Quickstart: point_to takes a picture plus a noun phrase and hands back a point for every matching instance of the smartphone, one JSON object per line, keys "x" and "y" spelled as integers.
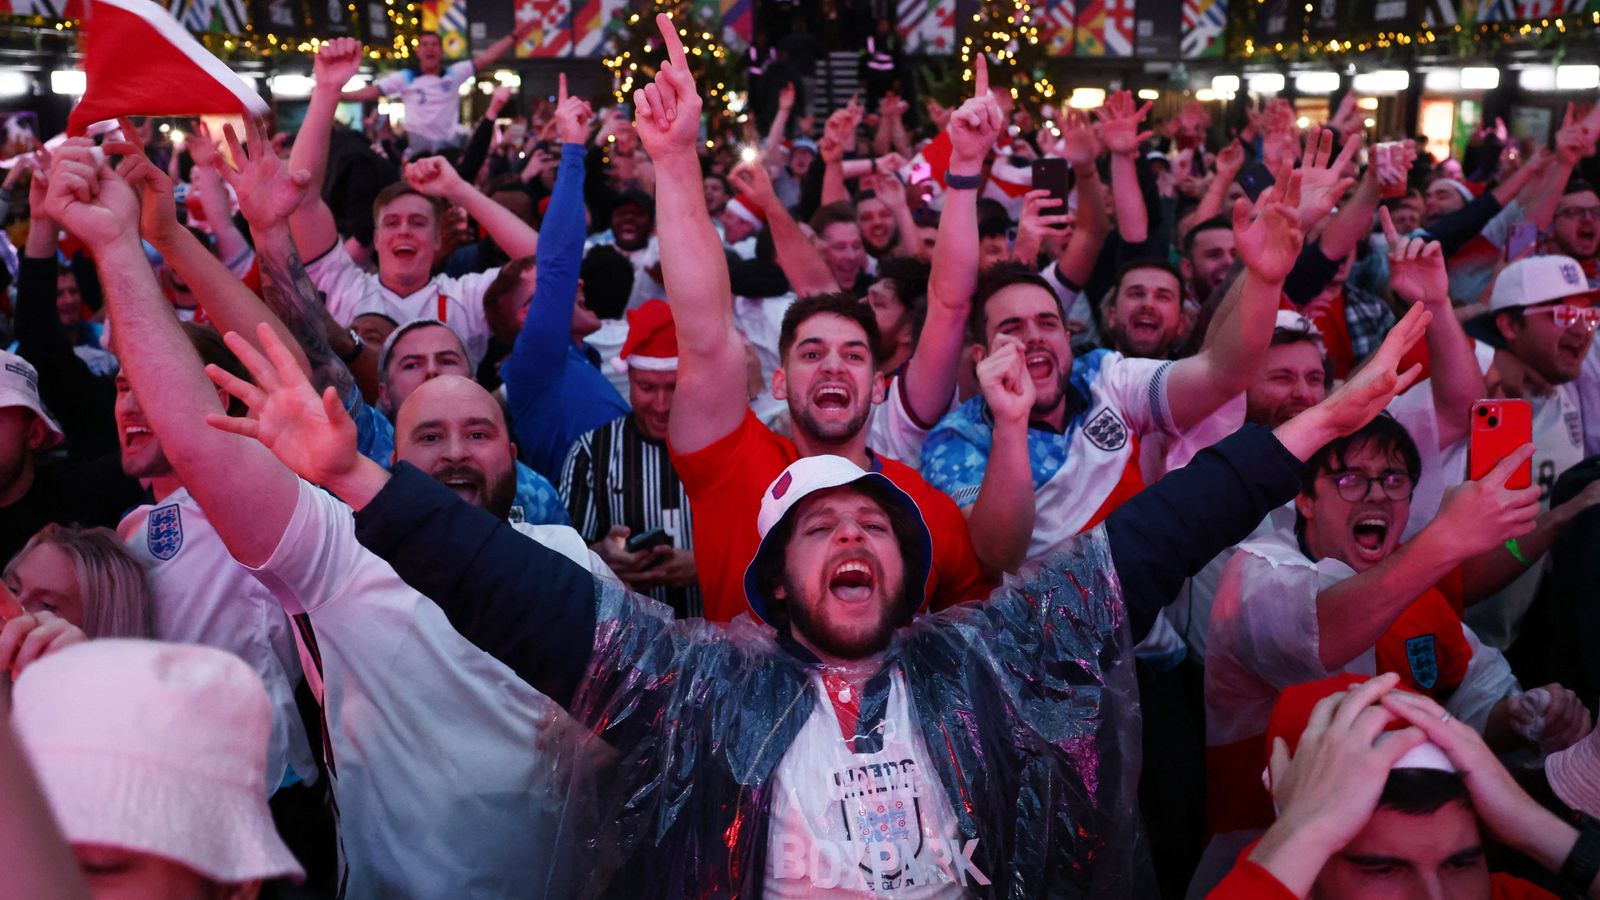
{"x": 1051, "y": 174}
{"x": 1499, "y": 427}
{"x": 1255, "y": 178}
{"x": 655, "y": 537}
{"x": 1520, "y": 242}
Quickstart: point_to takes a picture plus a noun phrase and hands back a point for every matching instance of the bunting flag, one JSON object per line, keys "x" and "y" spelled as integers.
{"x": 552, "y": 31}
{"x": 737, "y": 23}
{"x": 595, "y": 26}
{"x": 927, "y": 26}
{"x": 176, "y": 76}
{"x": 50, "y": 9}
{"x": 1057, "y": 26}
{"x": 1203, "y": 24}
{"x": 1523, "y": 10}
{"x": 447, "y": 18}
{"x": 1105, "y": 28}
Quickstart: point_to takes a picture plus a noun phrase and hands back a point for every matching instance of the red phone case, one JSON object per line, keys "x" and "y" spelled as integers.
{"x": 1512, "y": 426}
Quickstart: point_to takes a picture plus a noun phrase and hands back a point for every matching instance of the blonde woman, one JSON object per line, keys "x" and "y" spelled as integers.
{"x": 66, "y": 585}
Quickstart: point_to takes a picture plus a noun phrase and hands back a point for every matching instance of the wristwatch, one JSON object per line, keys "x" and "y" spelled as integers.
{"x": 1583, "y": 862}
{"x": 357, "y": 345}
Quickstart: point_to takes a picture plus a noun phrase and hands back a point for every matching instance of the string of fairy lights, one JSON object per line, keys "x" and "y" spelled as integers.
{"x": 403, "y": 19}
{"x": 1459, "y": 39}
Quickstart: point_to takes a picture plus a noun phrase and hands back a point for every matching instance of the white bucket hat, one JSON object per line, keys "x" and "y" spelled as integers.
{"x": 19, "y": 386}
{"x": 156, "y": 748}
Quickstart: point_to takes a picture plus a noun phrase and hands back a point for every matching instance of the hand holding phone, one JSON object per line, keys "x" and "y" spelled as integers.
{"x": 649, "y": 540}
{"x": 1499, "y": 427}
{"x": 1050, "y": 174}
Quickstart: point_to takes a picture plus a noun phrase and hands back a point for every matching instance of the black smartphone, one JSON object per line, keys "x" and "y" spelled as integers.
{"x": 1255, "y": 178}
{"x": 1050, "y": 174}
{"x": 655, "y": 537}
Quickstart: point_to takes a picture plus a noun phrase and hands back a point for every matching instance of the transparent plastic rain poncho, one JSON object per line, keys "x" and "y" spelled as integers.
{"x": 1027, "y": 703}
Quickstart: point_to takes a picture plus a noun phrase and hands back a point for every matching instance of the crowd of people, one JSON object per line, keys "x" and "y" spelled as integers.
{"x": 1124, "y": 536}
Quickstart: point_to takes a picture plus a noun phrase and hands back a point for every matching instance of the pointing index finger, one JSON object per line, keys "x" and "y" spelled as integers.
{"x": 669, "y": 36}
{"x": 1390, "y": 234}
{"x": 980, "y": 77}
{"x": 561, "y": 90}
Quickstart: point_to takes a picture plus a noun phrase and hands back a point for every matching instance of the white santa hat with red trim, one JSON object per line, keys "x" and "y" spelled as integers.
{"x": 652, "y": 344}
{"x": 746, "y": 209}
{"x": 139, "y": 61}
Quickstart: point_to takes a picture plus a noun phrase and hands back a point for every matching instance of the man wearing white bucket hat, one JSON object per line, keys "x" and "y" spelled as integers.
{"x": 152, "y": 757}
{"x": 731, "y": 775}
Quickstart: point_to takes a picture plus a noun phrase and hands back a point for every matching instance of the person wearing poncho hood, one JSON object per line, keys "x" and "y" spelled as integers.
{"x": 844, "y": 749}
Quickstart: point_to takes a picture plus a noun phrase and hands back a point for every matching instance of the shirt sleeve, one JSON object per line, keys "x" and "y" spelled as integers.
{"x": 1275, "y": 629}
{"x": 459, "y": 73}
{"x": 1138, "y": 388}
{"x": 955, "y": 456}
{"x": 341, "y": 281}
{"x": 957, "y": 575}
{"x": 1487, "y": 682}
{"x": 393, "y": 83}
{"x": 539, "y": 356}
{"x": 317, "y": 558}
{"x": 578, "y": 490}
{"x": 1498, "y": 230}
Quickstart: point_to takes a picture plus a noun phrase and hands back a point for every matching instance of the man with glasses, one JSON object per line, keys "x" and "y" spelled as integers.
{"x": 1342, "y": 593}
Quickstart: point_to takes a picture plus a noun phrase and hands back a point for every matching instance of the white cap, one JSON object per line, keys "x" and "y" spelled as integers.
{"x": 156, "y": 748}
{"x": 819, "y": 473}
{"x": 1538, "y": 279}
{"x": 1290, "y": 320}
{"x": 19, "y": 386}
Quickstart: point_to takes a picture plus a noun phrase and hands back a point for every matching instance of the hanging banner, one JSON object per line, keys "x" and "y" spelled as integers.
{"x": 1158, "y": 30}
{"x": 1278, "y": 22}
{"x": 448, "y": 19}
{"x": 552, "y": 30}
{"x": 331, "y": 19}
{"x": 488, "y": 21}
{"x": 737, "y": 23}
{"x": 375, "y": 25}
{"x": 1058, "y": 26}
{"x": 595, "y": 26}
{"x": 1105, "y": 28}
{"x": 279, "y": 18}
{"x": 1388, "y": 14}
{"x": 224, "y": 16}
{"x": 927, "y": 26}
{"x": 1204, "y": 22}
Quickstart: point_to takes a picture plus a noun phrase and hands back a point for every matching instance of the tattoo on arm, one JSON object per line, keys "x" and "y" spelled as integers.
{"x": 294, "y": 298}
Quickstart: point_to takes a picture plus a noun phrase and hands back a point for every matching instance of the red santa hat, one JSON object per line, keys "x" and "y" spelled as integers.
{"x": 746, "y": 209}
{"x": 652, "y": 344}
{"x": 139, "y": 61}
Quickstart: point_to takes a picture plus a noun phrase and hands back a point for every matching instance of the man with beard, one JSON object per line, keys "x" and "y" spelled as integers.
{"x": 1542, "y": 311}
{"x": 633, "y": 233}
{"x": 952, "y": 723}
{"x": 1208, "y": 254}
{"x": 407, "y": 234}
{"x": 426, "y": 757}
{"x": 1144, "y": 314}
{"x": 1076, "y": 458}
{"x": 1342, "y": 593}
{"x": 840, "y": 243}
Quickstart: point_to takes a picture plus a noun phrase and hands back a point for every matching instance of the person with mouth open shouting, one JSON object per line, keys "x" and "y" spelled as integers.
{"x": 847, "y": 748}
{"x": 1344, "y": 594}
{"x": 1068, "y": 462}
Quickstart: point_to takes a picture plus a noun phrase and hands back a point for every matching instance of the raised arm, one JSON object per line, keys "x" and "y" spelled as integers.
{"x": 1001, "y": 519}
{"x": 1268, "y": 240}
{"x": 1082, "y": 151}
{"x": 162, "y": 367}
{"x": 1417, "y": 275}
{"x": 221, "y": 294}
{"x": 268, "y": 195}
{"x": 1171, "y": 529}
{"x": 1230, "y": 160}
{"x": 437, "y": 178}
{"x": 1119, "y": 131}
{"x": 838, "y": 138}
{"x": 780, "y": 121}
{"x": 802, "y": 265}
{"x": 486, "y": 57}
{"x": 539, "y": 355}
{"x": 231, "y": 245}
{"x": 312, "y": 224}
{"x": 710, "y": 401}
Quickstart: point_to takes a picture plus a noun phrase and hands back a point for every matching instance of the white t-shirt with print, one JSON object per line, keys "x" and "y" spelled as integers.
{"x": 846, "y": 824}
{"x": 457, "y": 302}
{"x": 202, "y": 596}
{"x": 433, "y": 103}
{"x": 441, "y": 785}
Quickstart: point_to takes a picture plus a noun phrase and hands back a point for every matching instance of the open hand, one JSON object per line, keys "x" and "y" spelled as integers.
{"x": 1371, "y": 387}
{"x": 268, "y": 192}
{"x": 1268, "y": 235}
{"x": 312, "y": 435}
{"x": 1120, "y": 118}
{"x": 1416, "y": 267}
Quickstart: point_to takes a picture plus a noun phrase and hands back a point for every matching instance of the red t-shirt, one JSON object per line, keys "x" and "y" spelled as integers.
{"x": 725, "y": 481}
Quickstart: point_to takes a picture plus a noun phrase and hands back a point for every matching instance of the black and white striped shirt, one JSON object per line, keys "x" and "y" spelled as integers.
{"x": 614, "y": 475}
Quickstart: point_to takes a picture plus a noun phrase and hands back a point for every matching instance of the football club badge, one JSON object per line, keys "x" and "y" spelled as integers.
{"x": 165, "y": 532}
{"x": 1106, "y": 431}
{"x": 1423, "y": 658}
